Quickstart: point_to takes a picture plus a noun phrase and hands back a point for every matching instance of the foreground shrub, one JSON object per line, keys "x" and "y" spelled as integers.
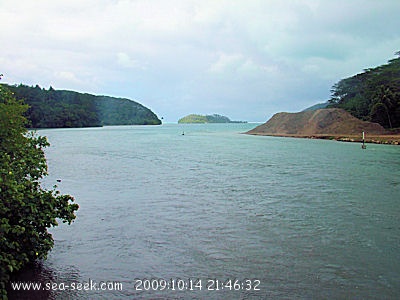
{"x": 26, "y": 209}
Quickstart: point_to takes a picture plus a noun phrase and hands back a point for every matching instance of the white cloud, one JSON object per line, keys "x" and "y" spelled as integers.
{"x": 227, "y": 63}
{"x": 65, "y": 75}
{"x": 275, "y": 54}
{"x": 126, "y": 61}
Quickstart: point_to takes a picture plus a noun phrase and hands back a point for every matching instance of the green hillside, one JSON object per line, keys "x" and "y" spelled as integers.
{"x": 317, "y": 106}
{"x": 59, "y": 108}
{"x": 373, "y": 95}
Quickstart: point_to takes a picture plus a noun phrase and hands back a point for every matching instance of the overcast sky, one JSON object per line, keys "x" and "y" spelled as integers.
{"x": 246, "y": 59}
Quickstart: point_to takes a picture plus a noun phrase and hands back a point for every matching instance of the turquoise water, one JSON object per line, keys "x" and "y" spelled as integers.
{"x": 307, "y": 218}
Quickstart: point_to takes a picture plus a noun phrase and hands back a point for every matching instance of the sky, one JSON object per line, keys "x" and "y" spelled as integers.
{"x": 245, "y": 59}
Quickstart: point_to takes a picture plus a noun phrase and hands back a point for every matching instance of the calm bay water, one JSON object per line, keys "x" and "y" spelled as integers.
{"x": 308, "y": 218}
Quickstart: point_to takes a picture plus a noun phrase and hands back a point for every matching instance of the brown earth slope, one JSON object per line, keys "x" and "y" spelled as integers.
{"x": 331, "y": 123}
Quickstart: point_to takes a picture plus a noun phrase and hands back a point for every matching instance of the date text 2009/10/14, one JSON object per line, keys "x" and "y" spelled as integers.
{"x": 178, "y": 284}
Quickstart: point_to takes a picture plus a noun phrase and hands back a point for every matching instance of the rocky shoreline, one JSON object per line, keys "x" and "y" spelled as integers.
{"x": 374, "y": 139}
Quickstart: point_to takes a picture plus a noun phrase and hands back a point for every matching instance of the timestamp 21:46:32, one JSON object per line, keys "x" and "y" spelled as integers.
{"x": 191, "y": 284}
{"x": 233, "y": 284}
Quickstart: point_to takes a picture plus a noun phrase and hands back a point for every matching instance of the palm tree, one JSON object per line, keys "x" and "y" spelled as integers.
{"x": 382, "y": 104}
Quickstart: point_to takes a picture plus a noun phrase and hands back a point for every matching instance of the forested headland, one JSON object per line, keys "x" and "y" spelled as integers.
{"x": 373, "y": 95}
{"x": 64, "y": 109}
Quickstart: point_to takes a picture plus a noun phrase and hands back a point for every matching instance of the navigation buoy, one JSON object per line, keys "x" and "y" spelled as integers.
{"x": 363, "y": 142}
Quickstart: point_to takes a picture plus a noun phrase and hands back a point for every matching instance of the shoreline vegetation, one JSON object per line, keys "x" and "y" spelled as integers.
{"x": 27, "y": 210}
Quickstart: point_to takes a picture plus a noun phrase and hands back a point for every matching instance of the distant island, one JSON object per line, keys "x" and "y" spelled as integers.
{"x": 200, "y": 119}
{"x": 65, "y": 109}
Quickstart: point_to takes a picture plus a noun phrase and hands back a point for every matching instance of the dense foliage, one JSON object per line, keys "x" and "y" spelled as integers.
{"x": 373, "y": 95}
{"x": 58, "y": 108}
{"x": 114, "y": 111}
{"x": 193, "y": 118}
{"x": 26, "y": 209}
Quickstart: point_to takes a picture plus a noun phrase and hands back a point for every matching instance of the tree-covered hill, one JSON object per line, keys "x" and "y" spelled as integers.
{"x": 193, "y": 118}
{"x": 59, "y": 108}
{"x": 317, "y": 106}
{"x": 373, "y": 95}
